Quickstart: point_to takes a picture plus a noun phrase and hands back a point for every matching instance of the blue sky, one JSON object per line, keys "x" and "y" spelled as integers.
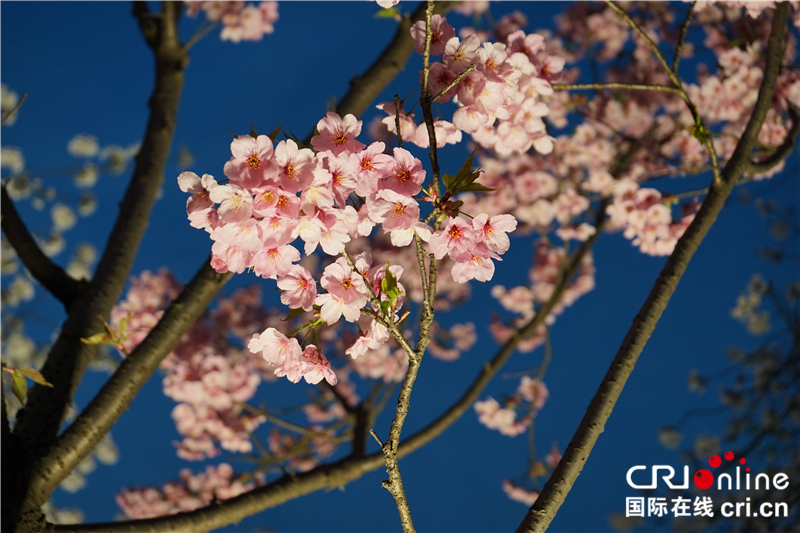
{"x": 86, "y": 69}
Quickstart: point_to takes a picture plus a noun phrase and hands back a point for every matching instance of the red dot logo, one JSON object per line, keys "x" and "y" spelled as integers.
{"x": 729, "y": 456}
{"x": 703, "y": 479}
{"x": 714, "y": 461}
{"x": 742, "y": 461}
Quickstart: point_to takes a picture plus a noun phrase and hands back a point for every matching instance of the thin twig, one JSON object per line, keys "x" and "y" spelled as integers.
{"x": 455, "y": 82}
{"x": 682, "y": 37}
{"x": 16, "y": 107}
{"x": 615, "y": 85}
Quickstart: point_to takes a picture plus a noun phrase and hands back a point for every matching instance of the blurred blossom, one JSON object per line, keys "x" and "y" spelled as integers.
{"x": 87, "y": 466}
{"x": 73, "y": 482}
{"x": 473, "y": 7}
{"x": 87, "y": 176}
{"x": 20, "y": 290}
{"x": 63, "y": 216}
{"x": 18, "y": 350}
{"x": 8, "y": 258}
{"x": 87, "y": 204}
{"x": 519, "y": 494}
{"x": 106, "y": 450}
{"x": 8, "y": 99}
{"x": 83, "y": 145}
{"x": 185, "y": 158}
{"x": 53, "y": 245}
{"x": 697, "y": 383}
{"x": 12, "y": 159}
{"x": 81, "y": 265}
{"x": 57, "y": 515}
{"x": 118, "y": 157}
{"x": 670, "y": 437}
{"x": 705, "y": 445}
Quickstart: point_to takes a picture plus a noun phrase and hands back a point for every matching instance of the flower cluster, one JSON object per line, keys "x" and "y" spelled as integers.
{"x": 531, "y": 396}
{"x": 328, "y": 198}
{"x": 499, "y": 101}
{"x": 240, "y": 21}
{"x": 190, "y": 493}
{"x": 205, "y": 374}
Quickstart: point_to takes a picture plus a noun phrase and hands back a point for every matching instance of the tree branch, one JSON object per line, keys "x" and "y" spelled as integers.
{"x": 39, "y": 421}
{"x": 122, "y": 387}
{"x": 42, "y": 268}
{"x": 561, "y": 481}
{"x": 615, "y": 85}
{"x": 782, "y": 152}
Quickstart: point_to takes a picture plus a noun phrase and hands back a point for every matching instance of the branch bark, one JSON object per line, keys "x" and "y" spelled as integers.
{"x": 122, "y": 387}
{"x": 563, "y": 478}
{"x": 39, "y": 421}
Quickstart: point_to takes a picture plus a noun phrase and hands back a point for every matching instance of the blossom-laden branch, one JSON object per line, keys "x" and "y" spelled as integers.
{"x": 42, "y": 268}
{"x": 39, "y": 421}
{"x": 383, "y": 70}
{"x": 389, "y": 448}
{"x": 563, "y": 478}
{"x": 701, "y": 131}
{"x": 338, "y": 474}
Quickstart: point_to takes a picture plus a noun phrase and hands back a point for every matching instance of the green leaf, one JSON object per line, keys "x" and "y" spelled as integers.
{"x": 700, "y": 132}
{"x": 385, "y": 305}
{"x": 464, "y": 180}
{"x": 293, "y": 313}
{"x": 35, "y": 375}
{"x": 98, "y": 338}
{"x": 389, "y": 285}
{"x": 470, "y": 187}
{"x": 123, "y": 324}
{"x": 18, "y": 386}
{"x": 275, "y": 132}
{"x": 387, "y": 13}
{"x": 295, "y": 139}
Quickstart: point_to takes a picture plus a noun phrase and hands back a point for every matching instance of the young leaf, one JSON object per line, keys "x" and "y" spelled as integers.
{"x": 464, "y": 181}
{"x": 35, "y": 375}
{"x": 98, "y": 338}
{"x": 18, "y": 386}
{"x": 389, "y": 285}
{"x": 293, "y": 313}
{"x": 387, "y": 13}
{"x": 275, "y": 132}
{"x": 295, "y": 139}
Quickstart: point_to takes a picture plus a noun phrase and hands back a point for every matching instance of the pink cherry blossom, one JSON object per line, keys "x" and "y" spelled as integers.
{"x": 251, "y": 163}
{"x": 338, "y": 134}
{"x": 275, "y": 347}
{"x": 456, "y": 239}
{"x": 298, "y": 288}
{"x": 295, "y": 166}
{"x": 441, "y": 30}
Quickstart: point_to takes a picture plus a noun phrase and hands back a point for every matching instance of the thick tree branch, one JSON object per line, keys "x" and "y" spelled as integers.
{"x": 122, "y": 387}
{"x": 39, "y": 421}
{"x": 42, "y": 268}
{"x": 561, "y": 481}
